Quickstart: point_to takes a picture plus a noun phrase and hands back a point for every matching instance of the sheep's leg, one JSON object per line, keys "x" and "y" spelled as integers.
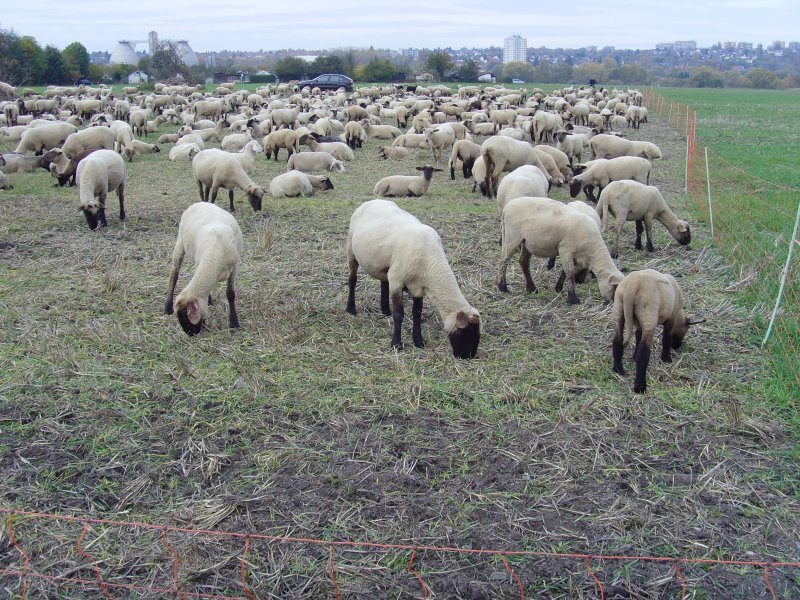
{"x": 177, "y": 261}
{"x": 617, "y": 348}
{"x": 416, "y": 323}
{"x": 101, "y": 214}
{"x": 589, "y": 191}
{"x": 525, "y": 265}
{"x": 618, "y": 225}
{"x": 385, "y": 309}
{"x": 200, "y": 189}
{"x": 648, "y": 229}
{"x": 666, "y": 350}
{"x": 230, "y": 294}
{"x": 397, "y": 314}
{"x": 642, "y": 360}
{"x": 560, "y": 282}
{"x": 213, "y": 193}
{"x": 505, "y": 257}
{"x": 121, "y": 196}
{"x": 638, "y": 341}
{"x": 551, "y": 263}
{"x": 567, "y": 261}
{"x": 351, "y": 287}
{"x": 639, "y": 228}
{"x": 230, "y": 198}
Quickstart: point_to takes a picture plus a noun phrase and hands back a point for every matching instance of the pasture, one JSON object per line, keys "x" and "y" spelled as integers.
{"x": 306, "y": 423}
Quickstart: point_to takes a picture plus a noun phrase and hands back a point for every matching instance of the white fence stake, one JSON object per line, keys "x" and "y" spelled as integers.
{"x": 686, "y": 170}
{"x": 708, "y": 186}
{"x": 784, "y": 275}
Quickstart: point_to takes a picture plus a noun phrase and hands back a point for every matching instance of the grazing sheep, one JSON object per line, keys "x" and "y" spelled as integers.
{"x": 214, "y": 169}
{"x": 140, "y": 147}
{"x": 296, "y": 183}
{"x": 544, "y": 127}
{"x": 281, "y": 138}
{"x": 506, "y": 154}
{"x": 314, "y": 161}
{"x": 62, "y": 168}
{"x": 184, "y": 152}
{"x": 393, "y": 246}
{"x": 101, "y": 172}
{"x": 546, "y": 228}
{"x": 643, "y": 301}
{"x": 467, "y": 152}
{"x": 599, "y": 173}
{"x": 44, "y": 137}
{"x": 562, "y": 164}
{"x": 634, "y": 201}
{"x": 393, "y": 152}
{"x": 213, "y": 239}
{"x": 612, "y": 146}
{"x": 86, "y": 139}
{"x": 405, "y": 185}
{"x": 5, "y": 184}
{"x": 549, "y": 163}
{"x": 570, "y": 144}
{"x": 354, "y": 134}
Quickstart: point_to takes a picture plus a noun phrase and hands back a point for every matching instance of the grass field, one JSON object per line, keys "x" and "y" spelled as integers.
{"x": 306, "y": 423}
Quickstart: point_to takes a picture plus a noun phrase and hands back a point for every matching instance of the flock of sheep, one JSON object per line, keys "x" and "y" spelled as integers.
{"x": 83, "y": 136}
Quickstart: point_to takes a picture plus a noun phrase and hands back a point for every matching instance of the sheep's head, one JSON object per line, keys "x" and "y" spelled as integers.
{"x": 338, "y": 166}
{"x": 681, "y": 328}
{"x": 326, "y": 183}
{"x": 575, "y": 186}
{"x": 191, "y": 314}
{"x": 682, "y": 234}
{"x": 381, "y": 153}
{"x": 427, "y": 171}
{"x": 651, "y": 152}
{"x": 92, "y": 210}
{"x": 465, "y": 333}
{"x": 608, "y": 285}
{"x": 254, "y": 195}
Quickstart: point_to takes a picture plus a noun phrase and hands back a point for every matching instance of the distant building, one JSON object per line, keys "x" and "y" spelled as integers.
{"x": 777, "y": 45}
{"x": 745, "y": 46}
{"x": 515, "y": 49}
{"x": 411, "y": 53}
{"x": 794, "y": 46}
{"x": 729, "y": 46}
{"x": 665, "y": 46}
{"x": 685, "y": 46}
{"x": 487, "y": 77}
{"x": 138, "y": 76}
{"x": 425, "y": 76}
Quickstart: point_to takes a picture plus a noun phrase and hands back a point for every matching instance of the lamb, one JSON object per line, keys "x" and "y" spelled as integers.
{"x": 612, "y": 146}
{"x": 393, "y": 246}
{"x": 439, "y": 138}
{"x": 570, "y": 144}
{"x": 296, "y": 183}
{"x": 101, "y": 172}
{"x": 22, "y": 163}
{"x": 62, "y": 168}
{"x": 643, "y": 301}
{"x": 214, "y": 169}
{"x": 314, "y": 161}
{"x": 184, "y": 152}
{"x": 505, "y": 154}
{"x": 281, "y": 138}
{"x": 44, "y": 137}
{"x": 381, "y": 132}
{"x": 86, "y": 139}
{"x": 393, "y": 152}
{"x": 467, "y": 152}
{"x": 247, "y": 156}
{"x": 339, "y": 150}
{"x": 634, "y": 201}
{"x": 139, "y": 147}
{"x": 406, "y": 185}
{"x": 213, "y": 239}
{"x": 599, "y": 173}
{"x": 545, "y": 228}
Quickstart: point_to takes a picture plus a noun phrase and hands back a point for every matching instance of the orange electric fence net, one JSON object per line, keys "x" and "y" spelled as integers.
{"x": 754, "y": 224}
{"x": 46, "y": 555}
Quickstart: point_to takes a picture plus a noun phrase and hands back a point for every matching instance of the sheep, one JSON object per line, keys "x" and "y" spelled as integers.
{"x": 612, "y": 146}
{"x": 210, "y": 108}
{"x": 11, "y": 112}
{"x": 214, "y": 169}
{"x": 411, "y": 140}
{"x": 599, "y": 173}
{"x": 234, "y": 142}
{"x": 356, "y": 113}
{"x": 467, "y": 152}
{"x": 296, "y": 183}
{"x": 526, "y": 180}
{"x": 184, "y": 152}
{"x": 168, "y": 138}
{"x": 570, "y": 144}
{"x": 213, "y": 239}
{"x": 393, "y": 152}
{"x": 406, "y": 185}
{"x": 505, "y": 154}
{"x": 86, "y": 139}
{"x": 354, "y": 134}
{"x": 247, "y": 156}
{"x": 381, "y": 132}
{"x": 22, "y": 163}
{"x": 42, "y": 138}
{"x": 393, "y": 246}
{"x": 634, "y": 201}
{"x": 643, "y": 301}
{"x": 101, "y": 172}
{"x": 5, "y": 183}
{"x": 139, "y": 147}
{"x": 545, "y": 125}
{"x": 480, "y": 128}
{"x": 546, "y": 228}
{"x": 281, "y": 138}
{"x": 62, "y": 168}
{"x": 314, "y": 161}
{"x": 439, "y": 138}
{"x": 339, "y": 150}
{"x": 284, "y": 117}
{"x": 550, "y": 166}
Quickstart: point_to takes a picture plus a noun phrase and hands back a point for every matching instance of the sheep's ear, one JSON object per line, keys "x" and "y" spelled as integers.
{"x": 440, "y": 170}
{"x": 420, "y": 168}
{"x": 193, "y": 312}
{"x": 694, "y": 320}
{"x": 462, "y": 320}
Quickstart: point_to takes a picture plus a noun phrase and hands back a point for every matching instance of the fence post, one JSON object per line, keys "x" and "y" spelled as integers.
{"x": 784, "y": 275}
{"x": 708, "y": 186}
{"x": 669, "y": 120}
{"x": 686, "y": 171}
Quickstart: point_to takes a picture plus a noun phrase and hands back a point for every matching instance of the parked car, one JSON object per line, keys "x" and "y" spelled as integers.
{"x": 329, "y": 81}
{"x": 517, "y": 81}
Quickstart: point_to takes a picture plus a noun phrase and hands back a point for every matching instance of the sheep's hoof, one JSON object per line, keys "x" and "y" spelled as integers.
{"x": 650, "y": 247}
{"x": 573, "y": 299}
{"x": 531, "y": 289}
{"x": 619, "y": 370}
{"x": 640, "y": 389}
{"x": 502, "y": 287}
{"x": 397, "y": 345}
{"x": 419, "y": 342}
{"x": 614, "y": 255}
{"x": 352, "y": 311}
{"x": 638, "y": 244}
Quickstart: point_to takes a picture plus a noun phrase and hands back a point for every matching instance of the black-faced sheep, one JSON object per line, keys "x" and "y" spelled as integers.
{"x": 405, "y": 185}
{"x": 214, "y": 169}
{"x": 643, "y": 301}
{"x": 634, "y": 201}
{"x": 467, "y": 152}
{"x": 101, "y": 172}
{"x": 546, "y": 228}
{"x": 600, "y": 172}
{"x": 393, "y": 246}
{"x": 212, "y": 238}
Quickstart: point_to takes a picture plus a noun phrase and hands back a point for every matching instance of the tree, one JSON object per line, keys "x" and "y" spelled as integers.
{"x": 762, "y": 78}
{"x": 291, "y": 68}
{"x": 518, "y": 70}
{"x": 119, "y": 72}
{"x": 378, "y": 70}
{"x": 166, "y": 62}
{"x": 32, "y": 61}
{"x": 468, "y": 71}
{"x": 326, "y": 64}
{"x": 55, "y": 71}
{"x": 439, "y": 63}
{"x": 706, "y": 77}
{"x": 77, "y": 59}
{"x": 590, "y": 70}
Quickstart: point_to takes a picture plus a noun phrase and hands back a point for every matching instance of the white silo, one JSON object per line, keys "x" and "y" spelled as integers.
{"x": 124, "y": 54}
{"x": 186, "y": 53}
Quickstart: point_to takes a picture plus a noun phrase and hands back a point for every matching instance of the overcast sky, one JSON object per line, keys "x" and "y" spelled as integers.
{"x": 321, "y": 24}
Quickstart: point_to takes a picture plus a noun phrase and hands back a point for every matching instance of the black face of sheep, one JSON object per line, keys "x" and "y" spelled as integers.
{"x": 190, "y": 319}
{"x": 574, "y": 188}
{"x": 327, "y": 184}
{"x": 465, "y": 337}
{"x": 681, "y": 329}
{"x": 255, "y": 198}
{"x": 95, "y": 215}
